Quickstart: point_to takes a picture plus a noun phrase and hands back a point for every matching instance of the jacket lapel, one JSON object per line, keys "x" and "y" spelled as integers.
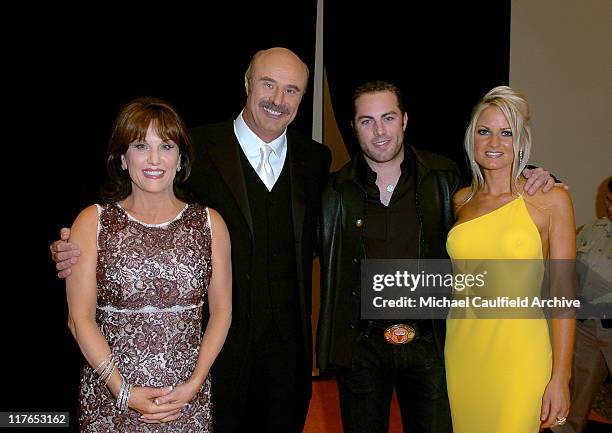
{"x": 298, "y": 170}
{"x": 225, "y": 154}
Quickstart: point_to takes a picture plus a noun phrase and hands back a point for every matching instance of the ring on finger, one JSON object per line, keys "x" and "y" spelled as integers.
{"x": 560, "y": 421}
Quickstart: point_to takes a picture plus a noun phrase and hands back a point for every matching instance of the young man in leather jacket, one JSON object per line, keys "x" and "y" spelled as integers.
{"x": 391, "y": 201}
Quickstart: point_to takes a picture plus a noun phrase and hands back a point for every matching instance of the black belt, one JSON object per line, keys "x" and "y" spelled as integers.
{"x": 384, "y": 329}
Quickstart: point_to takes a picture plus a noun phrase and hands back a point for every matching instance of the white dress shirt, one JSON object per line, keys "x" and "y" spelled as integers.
{"x": 251, "y": 144}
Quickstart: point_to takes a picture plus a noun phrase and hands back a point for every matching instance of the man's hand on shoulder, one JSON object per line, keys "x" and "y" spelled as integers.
{"x": 539, "y": 178}
{"x": 64, "y": 254}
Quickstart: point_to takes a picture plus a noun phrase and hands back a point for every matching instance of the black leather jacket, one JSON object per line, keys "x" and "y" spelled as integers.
{"x": 343, "y": 205}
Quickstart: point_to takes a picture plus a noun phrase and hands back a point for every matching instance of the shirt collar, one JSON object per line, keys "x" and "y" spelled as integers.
{"x": 251, "y": 143}
{"x": 367, "y": 175}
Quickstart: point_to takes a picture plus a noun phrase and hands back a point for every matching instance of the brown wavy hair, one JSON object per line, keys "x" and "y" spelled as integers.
{"x": 130, "y": 125}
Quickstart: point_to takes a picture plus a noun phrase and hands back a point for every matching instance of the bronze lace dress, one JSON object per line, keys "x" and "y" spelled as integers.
{"x": 152, "y": 282}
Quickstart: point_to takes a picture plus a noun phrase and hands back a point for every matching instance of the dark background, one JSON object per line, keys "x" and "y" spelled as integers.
{"x": 69, "y": 78}
{"x": 443, "y": 56}
{"x": 69, "y": 71}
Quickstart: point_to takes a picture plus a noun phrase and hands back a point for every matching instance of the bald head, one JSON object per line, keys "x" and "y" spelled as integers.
{"x": 275, "y": 83}
{"x": 278, "y": 55}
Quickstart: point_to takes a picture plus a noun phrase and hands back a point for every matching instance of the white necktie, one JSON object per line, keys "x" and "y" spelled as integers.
{"x": 264, "y": 169}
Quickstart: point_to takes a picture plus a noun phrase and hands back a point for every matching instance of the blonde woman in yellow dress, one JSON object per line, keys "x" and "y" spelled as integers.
{"x": 505, "y": 375}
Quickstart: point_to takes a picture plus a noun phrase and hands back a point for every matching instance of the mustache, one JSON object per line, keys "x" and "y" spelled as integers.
{"x": 274, "y": 107}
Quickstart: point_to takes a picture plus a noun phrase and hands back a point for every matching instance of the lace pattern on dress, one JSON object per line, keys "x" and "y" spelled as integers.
{"x": 152, "y": 283}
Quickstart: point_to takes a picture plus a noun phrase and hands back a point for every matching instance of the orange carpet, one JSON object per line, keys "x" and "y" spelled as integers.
{"x": 324, "y": 413}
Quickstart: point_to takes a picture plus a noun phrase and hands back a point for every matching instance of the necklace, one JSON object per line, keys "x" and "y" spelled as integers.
{"x": 390, "y": 188}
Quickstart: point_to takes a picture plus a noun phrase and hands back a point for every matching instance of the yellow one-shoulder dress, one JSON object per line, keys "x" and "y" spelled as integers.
{"x": 497, "y": 368}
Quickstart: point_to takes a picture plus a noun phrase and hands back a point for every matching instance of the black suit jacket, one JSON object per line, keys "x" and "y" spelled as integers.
{"x": 217, "y": 181}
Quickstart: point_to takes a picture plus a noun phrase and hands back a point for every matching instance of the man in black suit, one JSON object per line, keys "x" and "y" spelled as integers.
{"x": 261, "y": 379}
{"x": 266, "y": 182}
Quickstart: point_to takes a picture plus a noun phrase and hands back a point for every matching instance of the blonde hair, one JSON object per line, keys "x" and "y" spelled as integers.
{"x": 513, "y": 104}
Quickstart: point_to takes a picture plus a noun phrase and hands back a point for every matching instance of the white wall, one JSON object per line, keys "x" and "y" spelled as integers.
{"x": 561, "y": 58}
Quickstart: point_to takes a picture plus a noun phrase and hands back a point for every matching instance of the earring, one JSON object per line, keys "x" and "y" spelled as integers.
{"x": 123, "y": 163}
{"x": 178, "y": 168}
{"x": 520, "y": 156}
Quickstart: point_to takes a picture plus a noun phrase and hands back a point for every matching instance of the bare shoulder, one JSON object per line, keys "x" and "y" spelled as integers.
{"x": 216, "y": 218}
{"x": 217, "y": 224}
{"x": 86, "y": 220}
{"x": 84, "y": 232}
{"x": 461, "y": 194}
{"x": 553, "y": 207}
{"x": 556, "y": 199}
{"x": 460, "y": 197}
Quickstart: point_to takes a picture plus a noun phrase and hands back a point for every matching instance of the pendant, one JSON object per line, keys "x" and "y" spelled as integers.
{"x": 390, "y": 188}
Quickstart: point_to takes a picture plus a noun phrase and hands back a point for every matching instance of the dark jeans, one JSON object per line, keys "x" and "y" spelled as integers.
{"x": 416, "y": 370}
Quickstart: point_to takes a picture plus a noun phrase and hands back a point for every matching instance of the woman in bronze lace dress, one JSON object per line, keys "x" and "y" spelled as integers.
{"x": 136, "y": 295}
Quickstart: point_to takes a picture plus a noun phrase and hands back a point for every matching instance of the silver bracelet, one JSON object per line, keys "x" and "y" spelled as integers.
{"x": 104, "y": 364}
{"x": 127, "y": 396}
{"x": 105, "y": 369}
{"x": 110, "y": 375}
{"x": 124, "y": 396}
{"x": 107, "y": 372}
